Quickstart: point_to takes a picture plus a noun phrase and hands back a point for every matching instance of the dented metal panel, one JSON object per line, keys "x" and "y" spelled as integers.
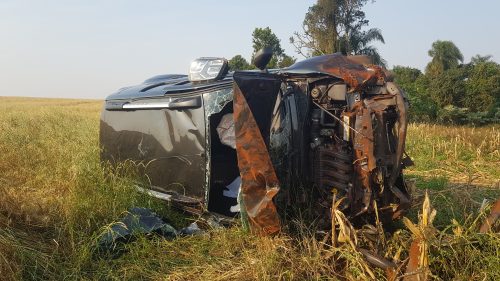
{"x": 253, "y": 105}
{"x": 171, "y": 143}
{"x": 357, "y": 76}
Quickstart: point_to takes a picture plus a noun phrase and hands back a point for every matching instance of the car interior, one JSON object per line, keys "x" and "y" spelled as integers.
{"x": 224, "y": 169}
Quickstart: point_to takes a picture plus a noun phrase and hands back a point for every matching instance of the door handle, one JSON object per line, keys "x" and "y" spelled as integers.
{"x": 194, "y": 102}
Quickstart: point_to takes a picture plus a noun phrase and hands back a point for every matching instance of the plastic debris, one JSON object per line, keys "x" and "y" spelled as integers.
{"x": 192, "y": 229}
{"x": 136, "y": 221}
{"x": 235, "y": 209}
{"x": 226, "y": 130}
{"x": 233, "y": 188}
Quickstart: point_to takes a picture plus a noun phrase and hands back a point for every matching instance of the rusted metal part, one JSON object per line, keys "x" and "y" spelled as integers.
{"x": 413, "y": 271}
{"x": 402, "y": 107}
{"x": 378, "y": 149}
{"x": 389, "y": 109}
{"x": 339, "y": 120}
{"x": 259, "y": 181}
{"x": 492, "y": 218}
{"x": 364, "y": 162}
{"x": 357, "y": 76}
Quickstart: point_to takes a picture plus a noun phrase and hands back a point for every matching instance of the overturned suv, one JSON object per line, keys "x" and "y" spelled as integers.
{"x": 329, "y": 126}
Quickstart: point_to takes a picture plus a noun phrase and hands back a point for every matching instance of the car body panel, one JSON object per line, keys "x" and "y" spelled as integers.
{"x": 358, "y": 76}
{"x": 254, "y": 100}
{"x": 171, "y": 143}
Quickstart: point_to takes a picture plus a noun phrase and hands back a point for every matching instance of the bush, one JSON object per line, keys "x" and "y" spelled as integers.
{"x": 451, "y": 114}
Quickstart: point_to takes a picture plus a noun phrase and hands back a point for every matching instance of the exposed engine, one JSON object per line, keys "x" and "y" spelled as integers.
{"x": 357, "y": 142}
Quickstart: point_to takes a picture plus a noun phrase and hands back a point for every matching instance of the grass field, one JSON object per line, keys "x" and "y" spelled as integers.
{"x": 55, "y": 199}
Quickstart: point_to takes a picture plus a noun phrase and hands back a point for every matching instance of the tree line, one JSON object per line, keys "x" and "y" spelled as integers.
{"x": 448, "y": 91}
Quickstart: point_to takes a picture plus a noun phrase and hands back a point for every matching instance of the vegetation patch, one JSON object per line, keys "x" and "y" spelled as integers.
{"x": 56, "y": 197}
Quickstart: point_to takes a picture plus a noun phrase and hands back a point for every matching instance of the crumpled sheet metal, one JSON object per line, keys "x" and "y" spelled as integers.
{"x": 370, "y": 143}
{"x": 357, "y": 76}
{"x": 259, "y": 181}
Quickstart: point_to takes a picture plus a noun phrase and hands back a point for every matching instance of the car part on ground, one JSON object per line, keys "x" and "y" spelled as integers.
{"x": 142, "y": 221}
{"x": 136, "y": 221}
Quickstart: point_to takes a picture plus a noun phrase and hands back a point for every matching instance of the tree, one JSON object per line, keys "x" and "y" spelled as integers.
{"x": 239, "y": 63}
{"x": 448, "y": 88}
{"x": 482, "y": 86}
{"x": 445, "y": 55}
{"x": 264, "y": 37}
{"x": 320, "y": 30}
{"x": 359, "y": 44}
{"x": 406, "y": 78}
{"x": 479, "y": 59}
{"x": 286, "y": 61}
{"x": 415, "y": 85}
{"x": 332, "y": 26}
{"x": 456, "y": 93}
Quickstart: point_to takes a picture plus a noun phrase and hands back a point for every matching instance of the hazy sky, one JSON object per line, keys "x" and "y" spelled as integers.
{"x": 90, "y": 48}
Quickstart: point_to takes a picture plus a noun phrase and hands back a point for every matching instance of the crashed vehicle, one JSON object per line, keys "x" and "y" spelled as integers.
{"x": 329, "y": 126}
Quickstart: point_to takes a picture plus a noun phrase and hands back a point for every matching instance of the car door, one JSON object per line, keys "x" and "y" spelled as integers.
{"x": 254, "y": 99}
{"x": 164, "y": 135}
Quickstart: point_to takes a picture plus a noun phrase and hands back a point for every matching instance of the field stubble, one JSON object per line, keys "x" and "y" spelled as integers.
{"x": 55, "y": 197}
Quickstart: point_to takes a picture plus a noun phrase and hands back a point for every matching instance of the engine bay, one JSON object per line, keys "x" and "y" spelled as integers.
{"x": 357, "y": 145}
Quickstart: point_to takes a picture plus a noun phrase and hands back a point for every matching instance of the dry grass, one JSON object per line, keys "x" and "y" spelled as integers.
{"x": 55, "y": 197}
{"x": 461, "y": 154}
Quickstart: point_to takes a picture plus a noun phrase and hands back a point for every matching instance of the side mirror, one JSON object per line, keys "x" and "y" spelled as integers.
{"x": 262, "y": 58}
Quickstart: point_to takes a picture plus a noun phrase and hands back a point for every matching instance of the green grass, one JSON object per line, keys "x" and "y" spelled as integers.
{"x": 55, "y": 199}
{"x": 458, "y": 165}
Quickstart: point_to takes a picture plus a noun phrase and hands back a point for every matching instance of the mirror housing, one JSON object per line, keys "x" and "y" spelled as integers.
{"x": 262, "y": 58}
{"x": 208, "y": 69}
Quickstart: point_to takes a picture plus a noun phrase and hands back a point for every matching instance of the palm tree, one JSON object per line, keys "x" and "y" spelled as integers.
{"x": 477, "y": 59}
{"x": 358, "y": 43}
{"x": 445, "y": 55}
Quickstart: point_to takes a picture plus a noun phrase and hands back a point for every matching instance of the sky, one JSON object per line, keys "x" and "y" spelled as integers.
{"x": 90, "y": 48}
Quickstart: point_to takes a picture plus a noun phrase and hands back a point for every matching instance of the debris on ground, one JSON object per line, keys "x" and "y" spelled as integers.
{"x": 136, "y": 221}
{"x": 192, "y": 229}
{"x": 143, "y": 221}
